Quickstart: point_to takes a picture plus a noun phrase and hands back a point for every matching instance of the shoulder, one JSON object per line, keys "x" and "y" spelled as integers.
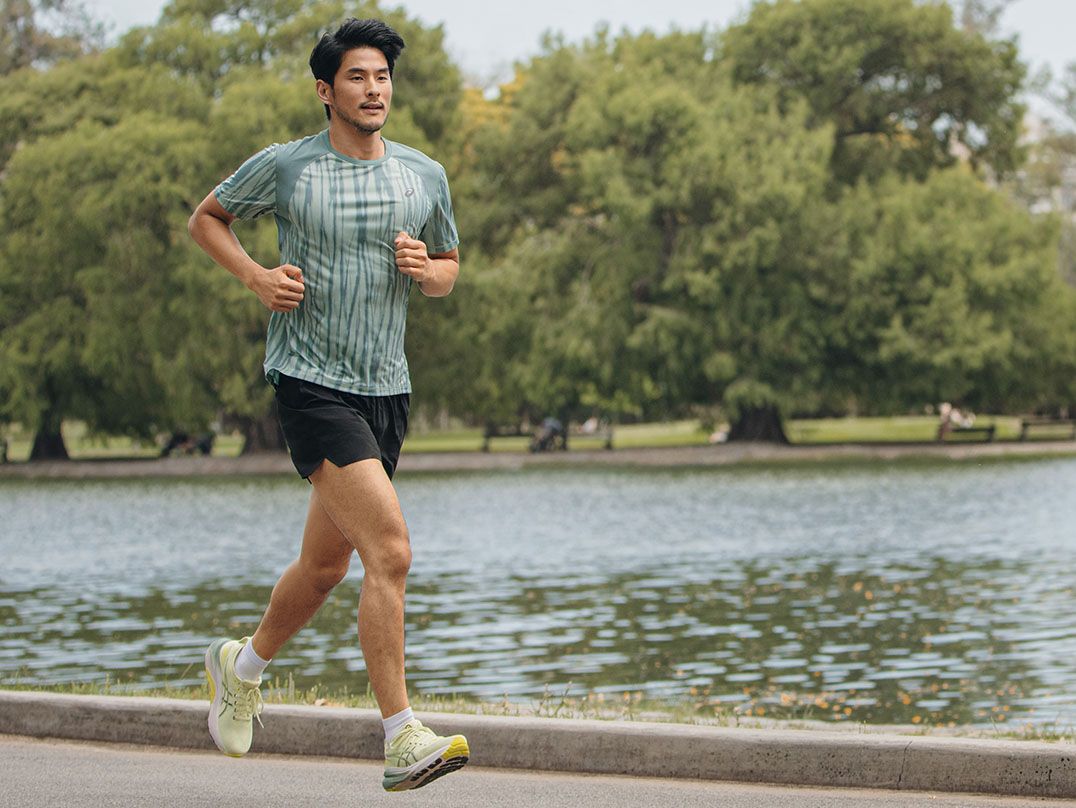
{"x": 426, "y": 167}
{"x": 299, "y": 151}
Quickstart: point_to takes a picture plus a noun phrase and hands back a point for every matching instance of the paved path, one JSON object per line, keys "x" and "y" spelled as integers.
{"x": 59, "y": 774}
{"x": 676, "y": 457}
{"x": 572, "y": 746}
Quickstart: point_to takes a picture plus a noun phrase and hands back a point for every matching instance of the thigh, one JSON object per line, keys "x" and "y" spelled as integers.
{"x": 361, "y": 502}
{"x": 324, "y": 545}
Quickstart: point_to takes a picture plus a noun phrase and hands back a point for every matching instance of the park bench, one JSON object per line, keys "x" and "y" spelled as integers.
{"x": 604, "y": 431}
{"x": 1026, "y": 424}
{"x": 515, "y": 431}
{"x": 986, "y": 431}
{"x": 498, "y": 431}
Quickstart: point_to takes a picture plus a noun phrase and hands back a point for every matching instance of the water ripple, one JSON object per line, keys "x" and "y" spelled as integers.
{"x": 931, "y": 593}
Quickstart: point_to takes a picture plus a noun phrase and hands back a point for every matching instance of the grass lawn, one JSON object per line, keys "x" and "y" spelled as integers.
{"x": 814, "y": 431}
{"x": 81, "y": 445}
{"x": 895, "y": 429}
{"x": 818, "y": 431}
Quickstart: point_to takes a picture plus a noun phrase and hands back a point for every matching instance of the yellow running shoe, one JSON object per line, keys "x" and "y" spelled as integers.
{"x": 234, "y": 701}
{"x": 416, "y": 756}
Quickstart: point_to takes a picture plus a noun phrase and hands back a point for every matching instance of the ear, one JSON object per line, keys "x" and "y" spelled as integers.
{"x": 325, "y": 92}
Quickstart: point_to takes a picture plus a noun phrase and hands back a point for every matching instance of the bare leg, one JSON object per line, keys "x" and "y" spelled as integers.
{"x": 360, "y": 500}
{"x": 321, "y": 565}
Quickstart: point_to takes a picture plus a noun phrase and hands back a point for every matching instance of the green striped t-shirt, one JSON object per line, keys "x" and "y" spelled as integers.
{"x": 337, "y": 220}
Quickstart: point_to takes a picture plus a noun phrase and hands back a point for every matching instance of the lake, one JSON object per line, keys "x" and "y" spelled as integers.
{"x": 934, "y": 592}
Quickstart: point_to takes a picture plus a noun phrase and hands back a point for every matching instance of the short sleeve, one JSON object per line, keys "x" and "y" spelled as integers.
{"x": 251, "y": 191}
{"x": 440, "y": 234}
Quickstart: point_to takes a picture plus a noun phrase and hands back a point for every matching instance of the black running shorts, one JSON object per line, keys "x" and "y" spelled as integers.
{"x": 321, "y": 423}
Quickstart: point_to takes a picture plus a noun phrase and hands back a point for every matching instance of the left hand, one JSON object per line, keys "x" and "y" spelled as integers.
{"x": 412, "y": 259}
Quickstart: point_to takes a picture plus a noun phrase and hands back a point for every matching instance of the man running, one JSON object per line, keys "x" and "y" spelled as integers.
{"x": 360, "y": 219}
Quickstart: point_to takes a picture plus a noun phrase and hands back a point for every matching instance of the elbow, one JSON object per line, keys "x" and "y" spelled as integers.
{"x": 444, "y": 290}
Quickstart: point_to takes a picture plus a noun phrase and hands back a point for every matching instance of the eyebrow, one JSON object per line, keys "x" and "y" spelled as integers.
{"x": 364, "y": 70}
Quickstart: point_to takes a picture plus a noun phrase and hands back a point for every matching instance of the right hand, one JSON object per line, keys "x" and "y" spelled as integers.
{"x": 280, "y": 289}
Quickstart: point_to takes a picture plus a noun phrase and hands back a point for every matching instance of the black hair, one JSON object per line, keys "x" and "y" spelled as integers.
{"x": 327, "y": 55}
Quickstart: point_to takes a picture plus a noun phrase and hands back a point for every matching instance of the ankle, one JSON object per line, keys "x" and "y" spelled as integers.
{"x": 248, "y": 665}
{"x": 394, "y": 723}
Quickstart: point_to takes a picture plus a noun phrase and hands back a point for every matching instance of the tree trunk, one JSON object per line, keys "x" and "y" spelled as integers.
{"x": 48, "y": 441}
{"x": 761, "y": 424}
{"x": 262, "y": 434}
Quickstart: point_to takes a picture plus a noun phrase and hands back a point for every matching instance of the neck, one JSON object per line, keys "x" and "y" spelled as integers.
{"x": 353, "y": 142}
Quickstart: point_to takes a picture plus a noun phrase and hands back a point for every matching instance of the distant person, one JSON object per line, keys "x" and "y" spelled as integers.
{"x": 361, "y": 220}
{"x": 950, "y": 417}
{"x": 187, "y": 444}
{"x": 549, "y": 436}
{"x": 177, "y": 440}
{"x": 945, "y": 420}
{"x": 719, "y": 436}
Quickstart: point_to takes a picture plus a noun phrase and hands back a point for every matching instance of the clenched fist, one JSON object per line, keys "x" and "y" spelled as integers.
{"x": 280, "y": 289}
{"x": 412, "y": 258}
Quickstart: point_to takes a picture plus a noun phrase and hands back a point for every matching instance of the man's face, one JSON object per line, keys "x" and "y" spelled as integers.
{"x": 361, "y": 91}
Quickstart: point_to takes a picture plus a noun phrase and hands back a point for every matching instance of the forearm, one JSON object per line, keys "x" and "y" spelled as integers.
{"x": 443, "y": 274}
{"x": 220, "y": 243}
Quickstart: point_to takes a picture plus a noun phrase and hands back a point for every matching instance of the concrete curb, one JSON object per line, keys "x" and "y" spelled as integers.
{"x": 790, "y": 757}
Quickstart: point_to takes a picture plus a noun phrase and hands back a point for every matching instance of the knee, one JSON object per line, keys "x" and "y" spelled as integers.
{"x": 323, "y": 576}
{"x": 394, "y": 557}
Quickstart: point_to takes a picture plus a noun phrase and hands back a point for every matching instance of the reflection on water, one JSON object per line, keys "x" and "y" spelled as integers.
{"x": 935, "y": 593}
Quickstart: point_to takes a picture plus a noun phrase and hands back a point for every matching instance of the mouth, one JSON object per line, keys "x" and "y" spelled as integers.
{"x": 372, "y": 107}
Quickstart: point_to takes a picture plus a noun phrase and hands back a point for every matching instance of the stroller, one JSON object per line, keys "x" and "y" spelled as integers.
{"x": 550, "y": 436}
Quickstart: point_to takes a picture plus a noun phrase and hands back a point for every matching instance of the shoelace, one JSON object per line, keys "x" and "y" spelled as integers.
{"x": 411, "y": 738}
{"x": 248, "y": 704}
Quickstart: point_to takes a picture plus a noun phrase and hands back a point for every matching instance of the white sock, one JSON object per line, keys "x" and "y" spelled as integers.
{"x": 248, "y": 665}
{"x": 394, "y": 723}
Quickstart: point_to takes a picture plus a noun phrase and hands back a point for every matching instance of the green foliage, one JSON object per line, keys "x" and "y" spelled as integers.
{"x": 79, "y": 333}
{"x": 37, "y": 104}
{"x": 40, "y": 32}
{"x": 673, "y": 240}
{"x": 950, "y": 292}
{"x": 671, "y": 259}
{"x": 774, "y": 218}
{"x": 902, "y": 87}
{"x": 210, "y": 41}
{"x": 109, "y": 312}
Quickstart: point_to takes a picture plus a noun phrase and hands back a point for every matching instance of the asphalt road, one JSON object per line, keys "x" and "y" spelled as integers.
{"x": 55, "y": 774}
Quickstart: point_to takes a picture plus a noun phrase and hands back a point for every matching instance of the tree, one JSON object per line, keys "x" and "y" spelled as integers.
{"x": 209, "y": 40}
{"x": 982, "y": 16}
{"x": 56, "y": 326}
{"x": 904, "y": 89}
{"x": 656, "y": 260}
{"x": 126, "y": 324}
{"x": 253, "y": 57}
{"x": 948, "y": 290}
{"x": 1057, "y": 153}
{"x": 42, "y": 32}
{"x": 78, "y": 336}
{"x": 695, "y": 249}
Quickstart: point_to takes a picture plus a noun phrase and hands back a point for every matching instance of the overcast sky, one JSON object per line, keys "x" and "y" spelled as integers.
{"x": 485, "y": 38}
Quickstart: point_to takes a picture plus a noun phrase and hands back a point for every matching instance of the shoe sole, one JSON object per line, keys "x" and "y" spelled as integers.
{"x": 450, "y": 759}
{"x": 213, "y": 672}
